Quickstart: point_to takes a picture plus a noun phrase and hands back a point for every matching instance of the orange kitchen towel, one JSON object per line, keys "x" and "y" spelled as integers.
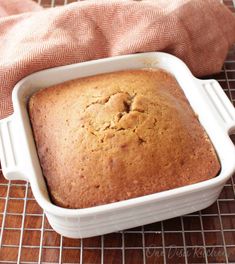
{"x": 199, "y": 32}
{"x": 12, "y": 7}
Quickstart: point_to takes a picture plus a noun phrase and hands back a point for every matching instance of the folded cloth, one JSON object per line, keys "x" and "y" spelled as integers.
{"x": 13, "y": 7}
{"x": 197, "y": 31}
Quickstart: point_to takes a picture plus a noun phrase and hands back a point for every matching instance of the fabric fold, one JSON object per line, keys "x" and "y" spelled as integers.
{"x": 199, "y": 32}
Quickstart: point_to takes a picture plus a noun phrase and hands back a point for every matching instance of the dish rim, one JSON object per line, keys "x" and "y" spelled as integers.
{"x": 53, "y": 209}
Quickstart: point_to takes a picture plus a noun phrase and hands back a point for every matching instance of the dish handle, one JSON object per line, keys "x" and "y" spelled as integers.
{"x": 220, "y": 103}
{"x": 10, "y": 155}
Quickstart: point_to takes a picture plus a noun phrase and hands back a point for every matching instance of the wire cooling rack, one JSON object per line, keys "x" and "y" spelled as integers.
{"x": 207, "y": 236}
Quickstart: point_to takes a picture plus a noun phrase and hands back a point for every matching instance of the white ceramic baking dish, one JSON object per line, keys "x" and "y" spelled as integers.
{"x": 20, "y": 161}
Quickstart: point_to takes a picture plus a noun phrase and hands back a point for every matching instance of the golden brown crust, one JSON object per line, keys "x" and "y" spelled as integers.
{"x": 117, "y": 136}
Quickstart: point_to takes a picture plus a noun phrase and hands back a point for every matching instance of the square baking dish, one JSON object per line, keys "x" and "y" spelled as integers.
{"x": 19, "y": 158}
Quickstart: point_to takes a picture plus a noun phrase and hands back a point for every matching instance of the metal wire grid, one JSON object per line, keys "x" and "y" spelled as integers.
{"x": 26, "y": 236}
{"x": 53, "y": 3}
{"x": 207, "y": 236}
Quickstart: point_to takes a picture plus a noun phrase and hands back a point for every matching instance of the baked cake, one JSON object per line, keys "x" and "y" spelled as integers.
{"x": 117, "y": 136}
